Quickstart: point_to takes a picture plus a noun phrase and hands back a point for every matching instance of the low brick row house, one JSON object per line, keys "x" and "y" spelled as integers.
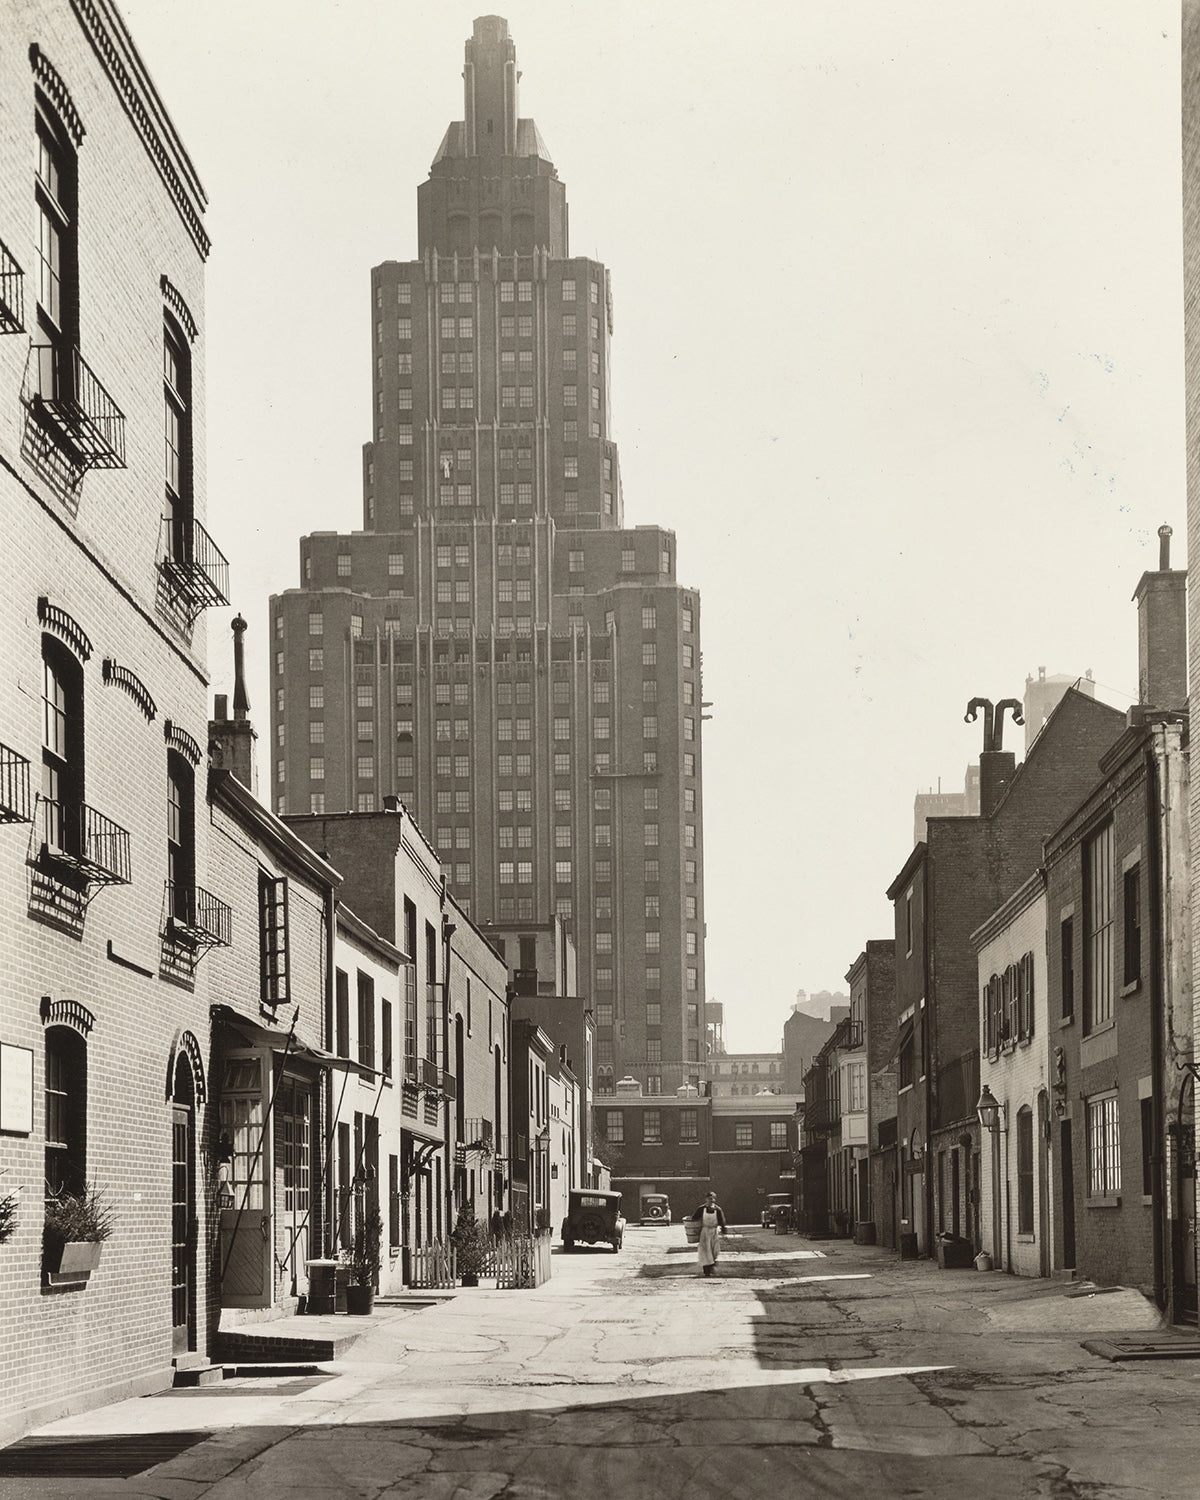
{"x": 1026, "y": 1034}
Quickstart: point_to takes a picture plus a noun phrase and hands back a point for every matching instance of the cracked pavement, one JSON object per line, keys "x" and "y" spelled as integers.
{"x": 803, "y": 1368}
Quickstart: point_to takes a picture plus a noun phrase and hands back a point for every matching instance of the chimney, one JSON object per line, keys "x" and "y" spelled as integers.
{"x": 996, "y": 770}
{"x": 1162, "y": 632}
{"x": 231, "y": 741}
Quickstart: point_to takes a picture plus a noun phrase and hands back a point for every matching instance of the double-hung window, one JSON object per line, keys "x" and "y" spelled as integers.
{"x": 57, "y": 257}
{"x": 177, "y": 442}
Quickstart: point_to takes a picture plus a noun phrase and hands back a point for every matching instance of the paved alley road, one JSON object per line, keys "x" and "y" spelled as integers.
{"x": 803, "y": 1369}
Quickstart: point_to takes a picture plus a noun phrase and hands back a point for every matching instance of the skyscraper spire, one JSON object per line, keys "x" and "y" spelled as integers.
{"x": 492, "y": 185}
{"x": 490, "y": 79}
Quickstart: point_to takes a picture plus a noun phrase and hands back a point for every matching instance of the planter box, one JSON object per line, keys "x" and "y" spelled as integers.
{"x": 955, "y": 1255}
{"x": 75, "y": 1262}
{"x": 359, "y": 1300}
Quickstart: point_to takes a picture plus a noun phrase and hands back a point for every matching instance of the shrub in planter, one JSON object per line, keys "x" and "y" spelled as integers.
{"x": 75, "y": 1227}
{"x": 469, "y": 1246}
{"x": 364, "y": 1263}
{"x": 8, "y": 1216}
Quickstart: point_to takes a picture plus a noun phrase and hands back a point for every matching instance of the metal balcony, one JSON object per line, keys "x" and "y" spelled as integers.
{"x": 195, "y": 572}
{"x": 12, "y": 293}
{"x": 849, "y": 1035}
{"x": 14, "y": 787}
{"x": 68, "y": 402}
{"x": 77, "y": 838}
{"x": 477, "y": 1137}
{"x": 196, "y": 918}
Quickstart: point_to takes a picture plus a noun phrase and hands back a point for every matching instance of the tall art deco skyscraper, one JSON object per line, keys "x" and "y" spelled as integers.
{"x": 495, "y": 647}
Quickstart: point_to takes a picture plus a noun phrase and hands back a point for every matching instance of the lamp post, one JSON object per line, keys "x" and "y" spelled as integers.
{"x": 993, "y": 1117}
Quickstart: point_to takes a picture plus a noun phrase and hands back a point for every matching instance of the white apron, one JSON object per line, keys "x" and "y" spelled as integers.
{"x": 709, "y": 1235}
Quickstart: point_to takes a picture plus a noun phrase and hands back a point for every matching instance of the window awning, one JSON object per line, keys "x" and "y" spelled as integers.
{"x": 255, "y": 1034}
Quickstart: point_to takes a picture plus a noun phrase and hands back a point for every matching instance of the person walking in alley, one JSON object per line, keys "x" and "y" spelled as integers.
{"x": 712, "y": 1225}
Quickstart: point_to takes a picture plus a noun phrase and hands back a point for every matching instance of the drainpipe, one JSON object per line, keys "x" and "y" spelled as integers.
{"x": 1157, "y": 1009}
{"x": 330, "y": 1044}
{"x": 927, "y": 1048}
{"x": 448, "y": 930}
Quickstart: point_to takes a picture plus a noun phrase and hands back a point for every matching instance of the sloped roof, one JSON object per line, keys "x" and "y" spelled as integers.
{"x": 529, "y": 142}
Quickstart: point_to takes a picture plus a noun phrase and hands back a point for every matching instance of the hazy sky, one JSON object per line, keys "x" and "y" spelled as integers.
{"x": 897, "y": 354}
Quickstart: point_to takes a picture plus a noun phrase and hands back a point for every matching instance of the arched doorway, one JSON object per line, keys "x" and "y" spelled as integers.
{"x": 183, "y": 1208}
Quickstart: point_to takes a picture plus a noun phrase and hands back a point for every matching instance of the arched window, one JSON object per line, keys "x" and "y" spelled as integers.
{"x": 66, "y": 1110}
{"x": 177, "y": 430}
{"x": 57, "y": 263}
{"x": 62, "y": 745}
{"x": 181, "y": 838}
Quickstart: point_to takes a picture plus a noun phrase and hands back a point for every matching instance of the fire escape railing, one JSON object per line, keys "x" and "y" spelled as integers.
{"x": 12, "y": 292}
{"x": 195, "y": 571}
{"x": 14, "y": 787}
{"x": 78, "y": 838}
{"x": 66, "y": 398}
{"x": 197, "y": 918}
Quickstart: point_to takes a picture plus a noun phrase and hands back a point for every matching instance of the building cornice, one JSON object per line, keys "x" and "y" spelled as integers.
{"x": 119, "y": 57}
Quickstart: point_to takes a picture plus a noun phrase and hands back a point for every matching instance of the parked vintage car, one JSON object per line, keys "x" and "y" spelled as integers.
{"x": 777, "y": 1210}
{"x": 593, "y": 1218}
{"x": 655, "y": 1209}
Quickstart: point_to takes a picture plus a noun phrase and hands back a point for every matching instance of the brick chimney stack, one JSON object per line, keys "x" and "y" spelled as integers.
{"x": 996, "y": 770}
{"x": 1162, "y": 632}
{"x": 231, "y": 741}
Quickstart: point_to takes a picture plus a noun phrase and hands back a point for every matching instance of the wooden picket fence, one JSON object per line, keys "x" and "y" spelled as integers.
{"x": 432, "y": 1265}
{"x": 523, "y": 1261}
{"x": 520, "y": 1261}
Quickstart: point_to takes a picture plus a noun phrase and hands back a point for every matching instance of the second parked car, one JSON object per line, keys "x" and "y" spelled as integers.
{"x": 655, "y": 1209}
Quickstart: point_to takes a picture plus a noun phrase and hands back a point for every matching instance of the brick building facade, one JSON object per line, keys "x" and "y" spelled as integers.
{"x": 104, "y": 1065}
{"x": 946, "y": 888}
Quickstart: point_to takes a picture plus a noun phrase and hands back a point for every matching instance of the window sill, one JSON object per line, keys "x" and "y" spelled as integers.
{"x": 1066, "y": 1021}
{"x": 905, "y": 1088}
{"x": 1024, "y": 1238}
{"x": 1131, "y": 988}
{"x": 1147, "y": 1200}
{"x": 1108, "y": 1202}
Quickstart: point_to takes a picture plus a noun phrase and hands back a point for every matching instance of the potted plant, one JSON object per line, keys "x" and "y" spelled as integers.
{"x": 469, "y": 1246}
{"x": 8, "y": 1216}
{"x": 75, "y": 1227}
{"x": 364, "y": 1263}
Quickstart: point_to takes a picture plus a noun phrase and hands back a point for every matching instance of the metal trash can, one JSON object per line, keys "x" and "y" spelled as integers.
{"x": 908, "y": 1247}
{"x": 781, "y": 1225}
{"x": 322, "y": 1279}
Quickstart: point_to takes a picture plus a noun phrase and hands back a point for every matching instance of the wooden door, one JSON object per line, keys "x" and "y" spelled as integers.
{"x": 183, "y": 1239}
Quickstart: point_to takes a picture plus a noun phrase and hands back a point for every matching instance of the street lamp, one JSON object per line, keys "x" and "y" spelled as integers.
{"x": 992, "y": 1114}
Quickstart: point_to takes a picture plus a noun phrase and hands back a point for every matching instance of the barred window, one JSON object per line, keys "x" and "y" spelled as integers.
{"x": 1104, "y": 1147}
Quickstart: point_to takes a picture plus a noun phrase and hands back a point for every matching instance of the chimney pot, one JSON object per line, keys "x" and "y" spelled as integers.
{"x": 1164, "y": 549}
{"x": 221, "y": 707}
{"x": 391, "y": 803}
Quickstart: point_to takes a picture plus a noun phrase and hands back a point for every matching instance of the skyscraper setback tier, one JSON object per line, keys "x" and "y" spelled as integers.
{"x": 494, "y": 647}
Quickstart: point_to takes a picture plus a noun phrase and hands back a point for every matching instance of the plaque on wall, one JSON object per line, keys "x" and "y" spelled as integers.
{"x": 16, "y": 1090}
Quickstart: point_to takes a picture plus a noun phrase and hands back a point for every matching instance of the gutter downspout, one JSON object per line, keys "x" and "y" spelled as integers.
{"x": 448, "y": 930}
{"x": 1157, "y": 1008}
{"x": 927, "y": 1047}
{"x": 330, "y": 1044}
